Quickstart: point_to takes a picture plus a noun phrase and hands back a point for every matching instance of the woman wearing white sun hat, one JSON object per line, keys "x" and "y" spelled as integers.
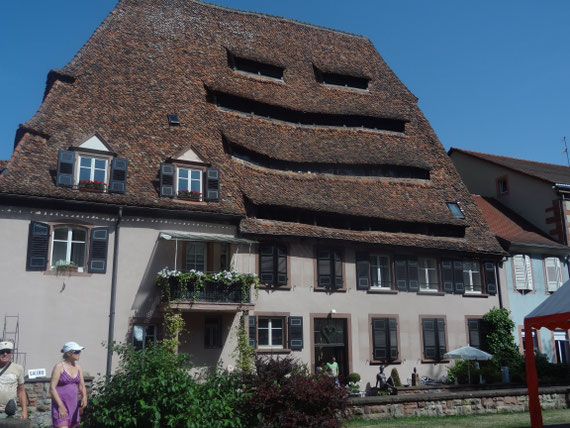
{"x": 66, "y": 382}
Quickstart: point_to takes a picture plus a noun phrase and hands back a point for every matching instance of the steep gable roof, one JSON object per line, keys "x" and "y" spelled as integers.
{"x": 512, "y": 228}
{"x": 552, "y": 173}
{"x": 150, "y": 58}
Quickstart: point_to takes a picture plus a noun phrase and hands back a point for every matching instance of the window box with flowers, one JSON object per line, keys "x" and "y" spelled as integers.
{"x": 92, "y": 186}
{"x": 191, "y": 195}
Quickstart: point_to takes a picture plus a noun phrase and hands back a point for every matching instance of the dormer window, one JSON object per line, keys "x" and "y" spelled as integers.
{"x": 187, "y": 177}
{"x": 254, "y": 67}
{"x": 341, "y": 80}
{"x": 91, "y": 167}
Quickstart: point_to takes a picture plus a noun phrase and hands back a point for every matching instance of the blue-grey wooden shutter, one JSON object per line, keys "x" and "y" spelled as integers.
{"x": 38, "y": 244}
{"x": 338, "y": 283}
{"x": 380, "y": 338}
{"x": 447, "y": 275}
{"x": 281, "y": 265}
{"x": 212, "y": 184}
{"x": 458, "y": 277}
{"x": 362, "y": 271}
{"x": 266, "y": 265}
{"x": 324, "y": 268}
{"x": 393, "y": 327}
{"x": 296, "y": 333}
{"x": 441, "y": 338}
{"x": 413, "y": 278}
{"x": 428, "y": 326}
{"x": 65, "y": 167}
{"x": 99, "y": 240}
{"x": 401, "y": 274}
{"x": 252, "y": 332}
{"x": 474, "y": 332}
{"x": 118, "y": 182}
{"x": 490, "y": 278}
{"x": 167, "y": 180}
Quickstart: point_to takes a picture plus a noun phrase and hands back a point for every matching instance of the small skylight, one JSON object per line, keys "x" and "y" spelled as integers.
{"x": 173, "y": 120}
{"x": 455, "y": 210}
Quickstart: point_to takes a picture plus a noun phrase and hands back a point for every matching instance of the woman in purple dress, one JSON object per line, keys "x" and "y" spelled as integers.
{"x": 66, "y": 382}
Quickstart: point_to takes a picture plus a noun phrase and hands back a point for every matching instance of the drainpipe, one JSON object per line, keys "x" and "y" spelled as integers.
{"x": 499, "y": 284}
{"x": 111, "y": 338}
{"x": 563, "y": 216}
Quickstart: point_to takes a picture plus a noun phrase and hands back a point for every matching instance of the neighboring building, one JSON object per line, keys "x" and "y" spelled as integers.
{"x": 511, "y": 181}
{"x": 311, "y": 166}
{"x": 536, "y": 267}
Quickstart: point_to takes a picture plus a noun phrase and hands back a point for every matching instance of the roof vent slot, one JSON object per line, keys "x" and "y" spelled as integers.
{"x": 173, "y": 120}
{"x": 251, "y": 66}
{"x": 344, "y": 80}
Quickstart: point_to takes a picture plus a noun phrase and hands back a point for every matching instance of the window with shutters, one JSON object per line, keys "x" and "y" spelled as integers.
{"x": 553, "y": 269}
{"x": 329, "y": 269}
{"x": 373, "y": 271}
{"x": 428, "y": 274}
{"x": 474, "y": 332}
{"x": 273, "y": 264}
{"x": 384, "y": 339}
{"x": 522, "y": 272}
{"x": 434, "y": 338}
{"x": 472, "y": 276}
{"x": 143, "y": 335}
{"x": 535, "y": 340}
{"x": 276, "y": 331}
{"x": 196, "y": 256}
{"x": 68, "y": 246}
{"x": 51, "y": 246}
{"x": 189, "y": 183}
{"x": 407, "y": 274}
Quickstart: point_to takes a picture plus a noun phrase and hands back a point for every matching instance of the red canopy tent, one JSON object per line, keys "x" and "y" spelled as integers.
{"x": 553, "y": 313}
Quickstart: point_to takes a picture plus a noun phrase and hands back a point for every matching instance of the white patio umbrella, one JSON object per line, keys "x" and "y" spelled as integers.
{"x": 468, "y": 353}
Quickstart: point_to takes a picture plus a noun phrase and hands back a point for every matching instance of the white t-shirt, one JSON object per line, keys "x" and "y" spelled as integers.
{"x": 9, "y": 382}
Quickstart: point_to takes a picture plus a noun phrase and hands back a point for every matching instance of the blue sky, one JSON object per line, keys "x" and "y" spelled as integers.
{"x": 491, "y": 76}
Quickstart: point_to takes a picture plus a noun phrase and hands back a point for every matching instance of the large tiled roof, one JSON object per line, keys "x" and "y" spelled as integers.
{"x": 545, "y": 171}
{"x": 150, "y": 58}
{"x": 510, "y": 227}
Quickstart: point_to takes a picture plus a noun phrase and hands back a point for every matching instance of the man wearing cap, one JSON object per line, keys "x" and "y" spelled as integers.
{"x": 11, "y": 380}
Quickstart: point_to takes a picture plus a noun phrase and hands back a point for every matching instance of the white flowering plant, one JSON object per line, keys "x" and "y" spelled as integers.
{"x": 195, "y": 281}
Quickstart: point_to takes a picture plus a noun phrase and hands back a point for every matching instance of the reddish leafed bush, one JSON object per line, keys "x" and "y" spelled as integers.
{"x": 285, "y": 394}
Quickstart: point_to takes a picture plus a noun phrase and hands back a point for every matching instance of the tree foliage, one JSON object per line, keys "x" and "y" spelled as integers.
{"x": 498, "y": 339}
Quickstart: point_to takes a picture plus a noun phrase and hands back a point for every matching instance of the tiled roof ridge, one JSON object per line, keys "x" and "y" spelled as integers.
{"x": 278, "y": 18}
{"x": 485, "y": 156}
{"x": 517, "y": 219}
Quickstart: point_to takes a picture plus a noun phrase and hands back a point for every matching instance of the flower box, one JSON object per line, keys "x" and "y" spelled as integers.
{"x": 192, "y": 195}
{"x": 91, "y": 186}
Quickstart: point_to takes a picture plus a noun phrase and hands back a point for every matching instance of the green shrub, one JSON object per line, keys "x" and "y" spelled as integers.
{"x": 153, "y": 388}
{"x": 354, "y": 377}
{"x": 396, "y": 377}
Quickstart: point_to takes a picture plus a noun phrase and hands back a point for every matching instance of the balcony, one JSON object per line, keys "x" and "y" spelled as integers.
{"x": 220, "y": 291}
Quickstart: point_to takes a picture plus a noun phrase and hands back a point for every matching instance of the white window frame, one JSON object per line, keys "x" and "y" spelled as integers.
{"x": 196, "y": 244}
{"x": 423, "y": 274}
{"x": 522, "y": 272}
{"x": 553, "y": 283}
{"x": 145, "y": 335}
{"x": 69, "y": 241}
{"x": 92, "y": 168}
{"x": 379, "y": 267}
{"x": 190, "y": 179}
{"x": 470, "y": 286}
{"x": 560, "y": 340}
{"x": 270, "y": 329}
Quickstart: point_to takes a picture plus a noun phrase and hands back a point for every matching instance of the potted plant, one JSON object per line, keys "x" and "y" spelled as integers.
{"x": 190, "y": 194}
{"x": 91, "y": 185}
{"x": 65, "y": 267}
{"x": 353, "y": 384}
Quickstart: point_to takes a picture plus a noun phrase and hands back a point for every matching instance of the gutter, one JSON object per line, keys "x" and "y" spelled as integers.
{"x": 111, "y": 335}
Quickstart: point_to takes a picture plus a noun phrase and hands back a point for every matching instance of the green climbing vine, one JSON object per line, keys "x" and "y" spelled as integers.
{"x": 244, "y": 353}
{"x": 174, "y": 324}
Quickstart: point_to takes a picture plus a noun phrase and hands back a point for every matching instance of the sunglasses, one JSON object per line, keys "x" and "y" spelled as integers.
{"x": 5, "y": 351}
{"x": 77, "y": 352}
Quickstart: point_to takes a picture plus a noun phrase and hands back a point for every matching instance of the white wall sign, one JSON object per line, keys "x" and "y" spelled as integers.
{"x": 35, "y": 373}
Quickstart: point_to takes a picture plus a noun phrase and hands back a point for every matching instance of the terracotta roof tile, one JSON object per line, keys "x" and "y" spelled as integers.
{"x": 545, "y": 171}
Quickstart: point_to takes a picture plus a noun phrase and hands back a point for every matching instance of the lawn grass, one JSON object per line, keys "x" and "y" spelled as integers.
{"x": 501, "y": 420}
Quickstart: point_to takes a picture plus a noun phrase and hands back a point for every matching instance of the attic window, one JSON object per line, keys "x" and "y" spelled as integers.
{"x": 252, "y": 66}
{"x": 344, "y": 80}
{"x": 455, "y": 210}
{"x": 173, "y": 120}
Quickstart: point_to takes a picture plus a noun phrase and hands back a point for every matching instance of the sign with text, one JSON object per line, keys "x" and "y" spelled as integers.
{"x": 35, "y": 373}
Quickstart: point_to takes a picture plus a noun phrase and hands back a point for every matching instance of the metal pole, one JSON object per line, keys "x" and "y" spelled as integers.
{"x": 111, "y": 338}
